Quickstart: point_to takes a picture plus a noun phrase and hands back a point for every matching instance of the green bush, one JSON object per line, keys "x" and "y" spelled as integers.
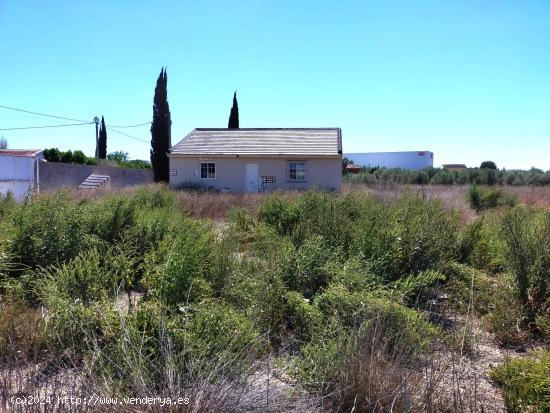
{"x": 368, "y": 365}
{"x": 527, "y": 237}
{"x": 525, "y": 383}
{"x": 407, "y": 237}
{"x": 302, "y": 318}
{"x": 91, "y": 276}
{"x": 506, "y": 314}
{"x": 482, "y": 199}
{"x": 7, "y": 205}
{"x": 48, "y": 230}
{"x": 180, "y": 265}
{"x": 305, "y": 270}
{"x": 219, "y": 328}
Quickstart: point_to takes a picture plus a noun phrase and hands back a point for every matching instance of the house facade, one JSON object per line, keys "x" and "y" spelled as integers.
{"x": 258, "y": 159}
{"x": 19, "y": 171}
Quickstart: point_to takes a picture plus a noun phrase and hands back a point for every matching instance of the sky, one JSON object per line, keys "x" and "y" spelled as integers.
{"x": 468, "y": 80}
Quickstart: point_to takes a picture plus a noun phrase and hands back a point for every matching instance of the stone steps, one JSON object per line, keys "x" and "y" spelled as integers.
{"x": 94, "y": 182}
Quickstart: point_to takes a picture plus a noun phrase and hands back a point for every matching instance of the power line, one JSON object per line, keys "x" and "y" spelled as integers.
{"x": 83, "y": 122}
{"x": 129, "y": 126}
{"x": 65, "y": 118}
{"x": 49, "y": 126}
{"x": 41, "y": 114}
{"x": 125, "y": 134}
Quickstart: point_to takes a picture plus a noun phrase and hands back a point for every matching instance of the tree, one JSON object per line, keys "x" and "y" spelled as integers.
{"x": 118, "y": 156}
{"x": 52, "y": 155}
{"x": 102, "y": 141}
{"x": 160, "y": 130}
{"x": 488, "y": 165}
{"x": 234, "y": 115}
{"x": 79, "y": 157}
{"x": 67, "y": 157}
{"x": 3, "y": 143}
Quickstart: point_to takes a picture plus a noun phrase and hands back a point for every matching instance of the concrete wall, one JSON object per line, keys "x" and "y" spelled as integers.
{"x": 231, "y": 173}
{"x": 17, "y": 175}
{"x": 404, "y": 160}
{"x": 55, "y": 175}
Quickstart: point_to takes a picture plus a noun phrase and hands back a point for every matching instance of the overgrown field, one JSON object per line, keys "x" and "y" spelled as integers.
{"x": 287, "y": 302}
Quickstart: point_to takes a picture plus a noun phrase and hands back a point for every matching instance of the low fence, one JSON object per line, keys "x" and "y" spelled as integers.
{"x": 54, "y": 175}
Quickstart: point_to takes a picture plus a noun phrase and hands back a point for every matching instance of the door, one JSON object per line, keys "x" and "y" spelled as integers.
{"x": 252, "y": 178}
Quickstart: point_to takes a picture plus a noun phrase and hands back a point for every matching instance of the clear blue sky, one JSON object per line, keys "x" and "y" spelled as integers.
{"x": 469, "y": 80}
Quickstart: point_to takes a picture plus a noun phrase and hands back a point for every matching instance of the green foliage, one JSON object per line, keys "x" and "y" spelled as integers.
{"x": 525, "y": 383}
{"x": 441, "y": 176}
{"x": 121, "y": 158}
{"x": 527, "y": 237}
{"x": 217, "y": 327}
{"x": 302, "y": 318}
{"x": 469, "y": 288}
{"x": 7, "y": 205}
{"x": 488, "y": 165}
{"x": 233, "y": 122}
{"x": 49, "y": 229}
{"x": 506, "y": 314}
{"x": 76, "y": 157}
{"x": 482, "y": 199}
{"x": 180, "y": 265}
{"x": 305, "y": 270}
{"x": 102, "y": 140}
{"x": 160, "y": 130}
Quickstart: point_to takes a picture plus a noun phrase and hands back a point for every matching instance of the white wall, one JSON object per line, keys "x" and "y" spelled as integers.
{"x": 17, "y": 175}
{"x": 404, "y": 160}
{"x": 231, "y": 173}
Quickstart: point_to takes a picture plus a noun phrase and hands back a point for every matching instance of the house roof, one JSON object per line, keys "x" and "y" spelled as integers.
{"x": 20, "y": 152}
{"x": 260, "y": 142}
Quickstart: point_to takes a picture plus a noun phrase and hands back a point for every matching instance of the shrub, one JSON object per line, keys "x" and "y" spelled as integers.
{"x": 370, "y": 366}
{"x": 278, "y": 213}
{"x": 505, "y": 315}
{"x": 91, "y": 276}
{"x": 219, "y": 328}
{"x": 21, "y": 331}
{"x": 525, "y": 383}
{"x": 305, "y": 270}
{"x": 303, "y": 319}
{"x": 407, "y": 237}
{"x": 48, "y": 230}
{"x": 469, "y": 288}
{"x": 7, "y": 205}
{"x": 180, "y": 265}
{"x": 527, "y": 237}
{"x": 482, "y": 199}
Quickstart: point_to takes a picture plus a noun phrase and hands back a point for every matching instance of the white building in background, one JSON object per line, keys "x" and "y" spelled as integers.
{"x": 19, "y": 171}
{"x": 404, "y": 160}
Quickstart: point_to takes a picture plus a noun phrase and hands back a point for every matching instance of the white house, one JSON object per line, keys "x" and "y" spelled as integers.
{"x": 403, "y": 160}
{"x": 19, "y": 171}
{"x": 258, "y": 159}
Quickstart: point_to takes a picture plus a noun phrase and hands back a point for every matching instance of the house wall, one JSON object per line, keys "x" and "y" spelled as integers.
{"x": 231, "y": 173}
{"x": 17, "y": 175}
{"x": 404, "y": 160}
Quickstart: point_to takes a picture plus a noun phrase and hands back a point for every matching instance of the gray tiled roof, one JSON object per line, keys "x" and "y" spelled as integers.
{"x": 261, "y": 142}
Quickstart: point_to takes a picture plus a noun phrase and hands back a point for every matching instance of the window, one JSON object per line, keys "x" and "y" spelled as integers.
{"x": 296, "y": 171}
{"x": 208, "y": 170}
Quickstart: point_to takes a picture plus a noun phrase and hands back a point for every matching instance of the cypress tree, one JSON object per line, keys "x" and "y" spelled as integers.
{"x": 102, "y": 140}
{"x": 234, "y": 115}
{"x": 160, "y": 130}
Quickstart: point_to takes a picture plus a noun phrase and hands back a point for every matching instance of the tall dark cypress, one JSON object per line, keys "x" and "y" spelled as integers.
{"x": 160, "y": 130}
{"x": 234, "y": 115}
{"x": 102, "y": 140}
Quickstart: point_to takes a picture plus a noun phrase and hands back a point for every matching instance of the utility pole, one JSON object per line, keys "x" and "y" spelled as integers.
{"x": 96, "y": 120}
